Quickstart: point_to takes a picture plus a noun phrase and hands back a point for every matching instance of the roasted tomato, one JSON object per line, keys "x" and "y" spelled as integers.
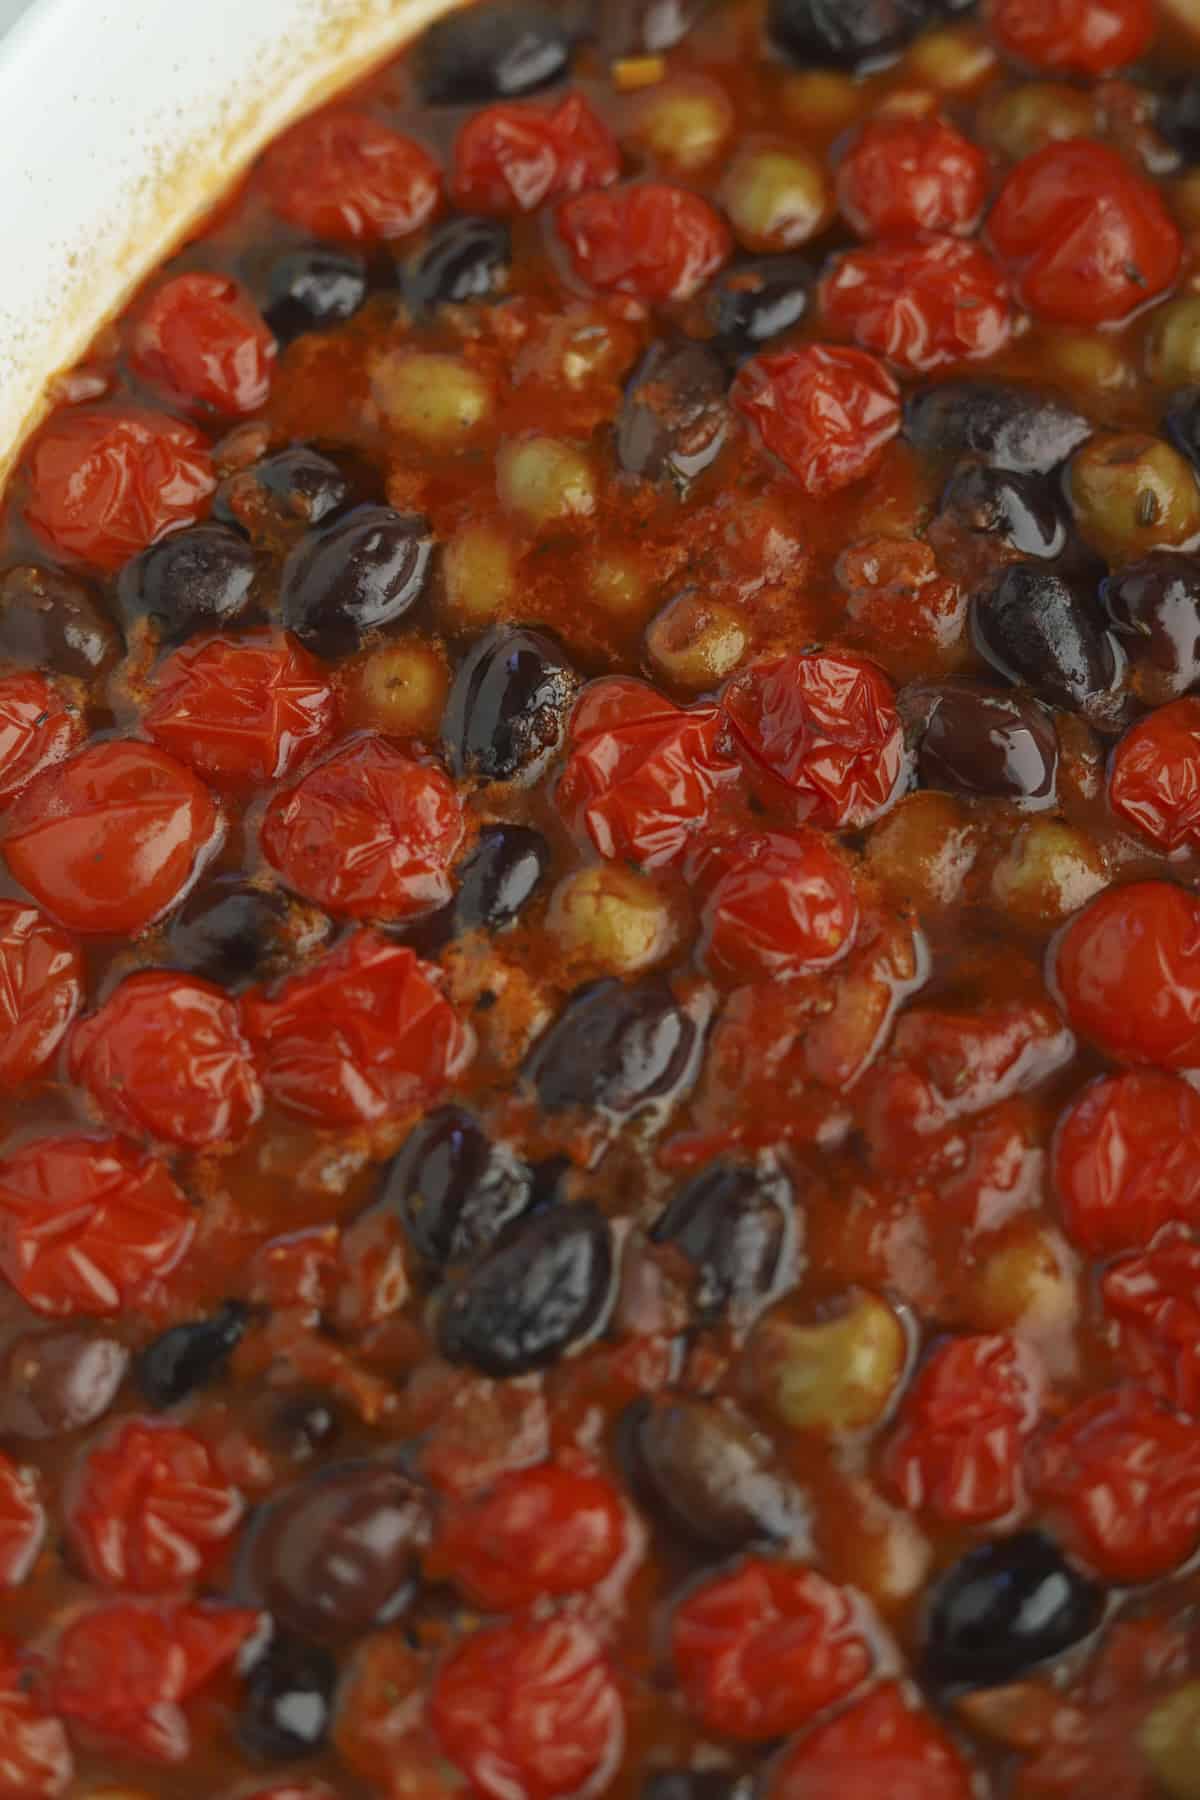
{"x": 1078, "y": 37}
{"x": 545, "y": 1530}
{"x": 1154, "y": 1301}
{"x": 1127, "y": 1160}
{"x": 346, "y": 176}
{"x": 35, "y": 1757}
{"x": 885, "y": 1742}
{"x": 1154, "y": 781}
{"x": 901, "y": 176}
{"x": 22, "y": 1524}
{"x": 38, "y": 728}
{"x": 1129, "y": 972}
{"x": 653, "y": 242}
{"x": 922, "y": 304}
{"x": 512, "y": 158}
{"x": 202, "y": 340}
{"x": 41, "y": 990}
{"x": 779, "y": 906}
{"x": 826, "y": 413}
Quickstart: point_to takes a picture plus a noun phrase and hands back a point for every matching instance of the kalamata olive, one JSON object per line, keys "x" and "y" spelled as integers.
{"x": 494, "y": 884}
{"x": 508, "y": 707}
{"x": 304, "y": 1423}
{"x": 228, "y": 932}
{"x": 543, "y": 1286}
{"x": 1007, "y": 427}
{"x": 364, "y": 571}
{"x": 736, "y": 1223}
{"x": 295, "y": 486}
{"x": 199, "y": 580}
{"x": 1178, "y": 118}
{"x": 674, "y": 417}
{"x": 1154, "y": 605}
{"x": 452, "y": 1188}
{"x": 52, "y": 1382}
{"x": 335, "y": 1556}
{"x": 843, "y": 33}
{"x": 49, "y": 620}
{"x": 498, "y": 49}
{"x": 641, "y": 27}
{"x": 464, "y": 259}
{"x": 1003, "y": 1608}
{"x": 710, "y": 1474}
{"x": 312, "y": 288}
{"x": 614, "y": 1048}
{"x": 696, "y": 1784}
{"x": 1021, "y": 511}
{"x": 976, "y": 742}
{"x": 287, "y": 1699}
{"x": 758, "y": 299}
{"x": 1181, "y": 423}
{"x": 1041, "y": 628}
{"x": 187, "y": 1357}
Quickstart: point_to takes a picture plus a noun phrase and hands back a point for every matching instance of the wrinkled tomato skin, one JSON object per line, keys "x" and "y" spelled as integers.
{"x": 1126, "y": 1160}
{"x": 781, "y": 907}
{"x": 22, "y": 1524}
{"x": 513, "y": 158}
{"x": 38, "y": 728}
{"x": 35, "y": 1755}
{"x": 202, "y": 341}
{"x": 1128, "y": 969}
{"x": 653, "y": 242}
{"x": 41, "y": 990}
{"x": 1077, "y": 37}
{"x": 1154, "y": 781}
{"x": 1153, "y": 1299}
{"x": 921, "y": 305}
{"x": 826, "y": 413}
{"x": 345, "y": 176}
{"x": 545, "y": 1530}
{"x": 901, "y": 176}
{"x": 885, "y": 1745}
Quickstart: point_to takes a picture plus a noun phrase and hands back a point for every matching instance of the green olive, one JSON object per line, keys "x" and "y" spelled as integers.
{"x": 1170, "y": 1739}
{"x": 1173, "y": 343}
{"x": 1090, "y": 359}
{"x": 837, "y": 1375}
{"x": 1132, "y": 493}
{"x": 1030, "y": 1282}
{"x": 685, "y": 122}
{"x": 776, "y": 197}
{"x": 819, "y": 100}
{"x": 1049, "y": 871}
{"x": 611, "y": 919}
{"x": 696, "y": 644}
{"x": 399, "y": 689}
{"x": 544, "y": 480}
{"x": 1037, "y": 113}
{"x": 479, "y": 576}
{"x": 952, "y": 60}
{"x": 617, "y": 583}
{"x": 439, "y": 400}
{"x": 924, "y": 850}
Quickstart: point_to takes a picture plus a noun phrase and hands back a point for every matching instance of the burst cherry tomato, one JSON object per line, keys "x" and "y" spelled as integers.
{"x": 38, "y": 728}
{"x": 1086, "y": 238}
{"x": 781, "y": 906}
{"x": 35, "y": 1757}
{"x": 1154, "y": 1300}
{"x": 108, "y": 841}
{"x": 512, "y": 158}
{"x": 545, "y": 1530}
{"x": 165, "y": 1058}
{"x": 823, "y": 725}
{"x": 369, "y": 833}
{"x": 201, "y": 339}
{"x": 345, "y": 176}
{"x": 1078, "y": 37}
{"x": 922, "y": 305}
{"x": 654, "y": 242}
{"x": 41, "y": 987}
{"x": 22, "y": 1525}
{"x": 1127, "y": 1160}
{"x": 827, "y": 414}
{"x": 1129, "y": 971}
{"x": 365, "y": 1035}
{"x": 643, "y": 775}
{"x": 105, "y": 484}
{"x": 958, "y": 1447}
{"x": 86, "y": 1223}
{"x": 530, "y": 1711}
{"x": 884, "y": 1745}
{"x": 1154, "y": 782}
{"x": 241, "y": 711}
{"x": 906, "y": 175}
{"x": 762, "y": 1648}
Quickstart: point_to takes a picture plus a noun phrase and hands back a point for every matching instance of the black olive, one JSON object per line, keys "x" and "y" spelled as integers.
{"x": 1007, "y": 427}
{"x": 49, "y": 620}
{"x": 304, "y": 1423}
{"x": 1181, "y": 423}
{"x": 294, "y": 487}
{"x": 493, "y": 886}
{"x": 843, "y": 33}
{"x": 543, "y": 1286}
{"x": 464, "y": 259}
{"x": 674, "y": 417}
{"x": 976, "y": 742}
{"x": 757, "y": 300}
{"x": 1003, "y": 1608}
{"x": 336, "y": 1555}
{"x": 287, "y": 1699}
{"x": 696, "y": 1784}
{"x": 1036, "y": 626}
{"x": 1022, "y": 511}
{"x": 736, "y": 1223}
{"x": 492, "y": 51}
{"x": 709, "y": 1474}
{"x": 641, "y": 27}
{"x": 1154, "y": 605}
{"x": 312, "y": 288}
{"x": 614, "y": 1048}
{"x": 452, "y": 1188}
{"x": 229, "y": 932}
{"x": 508, "y": 707}
{"x": 349, "y": 578}
{"x": 187, "y": 1357}
{"x": 1178, "y": 118}
{"x": 199, "y": 580}
{"x": 53, "y": 1382}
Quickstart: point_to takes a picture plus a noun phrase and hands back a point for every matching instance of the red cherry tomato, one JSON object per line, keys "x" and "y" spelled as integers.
{"x": 652, "y": 241}
{"x": 22, "y": 1525}
{"x": 1129, "y": 972}
{"x": 86, "y": 1223}
{"x": 369, "y": 833}
{"x": 345, "y": 176}
{"x": 1127, "y": 1160}
{"x": 958, "y": 1446}
{"x": 1085, "y": 237}
{"x": 823, "y": 725}
{"x": 762, "y": 1648}
{"x": 41, "y": 989}
{"x": 1077, "y": 37}
{"x": 922, "y": 305}
{"x": 125, "y": 1672}
{"x": 38, "y": 728}
{"x": 884, "y": 1745}
{"x": 545, "y": 1530}
{"x": 901, "y": 176}
{"x": 1154, "y": 1300}
{"x": 1154, "y": 781}
{"x": 165, "y": 1058}
{"x": 643, "y": 775}
{"x": 201, "y": 339}
{"x": 1121, "y": 1474}
{"x": 530, "y": 1711}
{"x": 35, "y": 1757}
{"x": 781, "y": 906}
{"x": 364, "y": 1035}
{"x": 827, "y": 414}
{"x": 108, "y": 841}
{"x": 512, "y": 158}
{"x": 241, "y": 711}
{"x": 105, "y": 484}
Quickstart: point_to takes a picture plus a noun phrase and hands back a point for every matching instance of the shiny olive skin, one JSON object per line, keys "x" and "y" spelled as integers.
{"x": 844, "y": 33}
{"x": 1002, "y": 746}
{"x": 295, "y": 486}
{"x": 186, "y": 1357}
{"x": 1002, "y": 1609}
{"x": 543, "y": 1286}
{"x": 304, "y": 1423}
{"x": 1006, "y": 427}
{"x": 464, "y": 259}
{"x": 364, "y": 571}
{"x": 453, "y": 1189}
{"x": 613, "y": 1049}
{"x": 696, "y": 1784}
{"x": 313, "y": 288}
{"x": 1181, "y": 423}
{"x": 1045, "y": 629}
{"x": 507, "y": 710}
{"x": 1154, "y": 606}
{"x": 1025, "y": 513}
{"x": 50, "y": 620}
{"x": 228, "y": 932}
{"x": 707, "y": 1473}
{"x": 1178, "y": 118}
{"x": 495, "y": 883}
{"x": 756, "y": 300}
{"x": 735, "y": 1223}
{"x": 58, "y": 1381}
{"x": 674, "y": 418}
{"x": 639, "y": 27}
{"x": 201, "y": 579}
{"x": 287, "y": 1699}
{"x": 501, "y": 49}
